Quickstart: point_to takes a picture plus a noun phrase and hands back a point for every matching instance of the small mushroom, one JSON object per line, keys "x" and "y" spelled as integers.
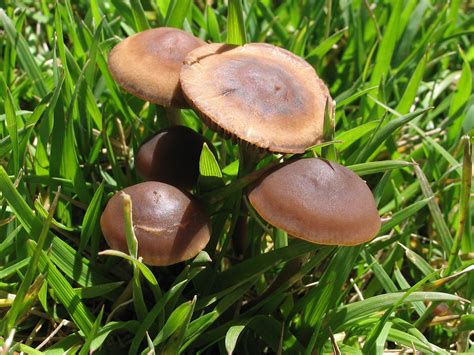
{"x": 171, "y": 156}
{"x": 147, "y": 64}
{"x": 319, "y": 201}
{"x": 170, "y": 226}
{"x": 257, "y": 93}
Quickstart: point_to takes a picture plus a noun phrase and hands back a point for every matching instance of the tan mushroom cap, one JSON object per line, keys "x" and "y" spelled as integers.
{"x": 318, "y": 201}
{"x": 259, "y": 93}
{"x": 169, "y": 225}
{"x": 147, "y": 64}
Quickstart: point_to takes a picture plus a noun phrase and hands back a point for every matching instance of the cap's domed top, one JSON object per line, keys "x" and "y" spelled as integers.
{"x": 147, "y": 64}
{"x": 318, "y": 201}
{"x": 259, "y": 93}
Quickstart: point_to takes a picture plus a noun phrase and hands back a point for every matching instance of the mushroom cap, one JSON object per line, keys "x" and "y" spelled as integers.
{"x": 170, "y": 226}
{"x": 259, "y": 93}
{"x": 147, "y": 64}
{"x": 318, "y": 201}
{"x": 171, "y": 156}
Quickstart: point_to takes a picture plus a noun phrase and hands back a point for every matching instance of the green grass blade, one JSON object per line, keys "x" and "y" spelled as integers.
{"x": 460, "y": 99}
{"x": 370, "y": 341}
{"x": 378, "y": 166}
{"x": 321, "y": 298}
{"x": 464, "y": 205}
{"x": 324, "y": 47}
{"x": 279, "y": 29}
{"x": 210, "y": 174}
{"x": 235, "y": 23}
{"x": 24, "y": 55}
{"x": 351, "y": 136}
{"x": 345, "y": 316}
{"x": 18, "y": 307}
{"x": 439, "y": 148}
{"x": 387, "y": 46}
{"x": 141, "y": 23}
{"x": 385, "y": 132}
{"x": 90, "y": 223}
{"x": 12, "y": 128}
{"x": 175, "y": 328}
{"x": 411, "y": 90}
{"x": 250, "y": 268}
{"x": 80, "y": 314}
{"x": 403, "y": 215}
{"x": 178, "y": 10}
{"x": 213, "y": 25}
{"x": 438, "y": 217}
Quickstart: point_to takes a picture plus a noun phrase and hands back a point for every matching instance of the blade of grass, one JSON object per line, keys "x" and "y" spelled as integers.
{"x": 439, "y": 148}
{"x": 24, "y": 55}
{"x": 273, "y": 21}
{"x": 157, "y": 309}
{"x": 441, "y": 226}
{"x": 403, "y": 215}
{"x": 371, "y": 338}
{"x": 248, "y": 269}
{"x": 235, "y": 23}
{"x": 80, "y": 314}
{"x": 18, "y": 308}
{"x": 353, "y": 135}
{"x": 419, "y": 307}
{"x": 385, "y": 132}
{"x": 346, "y": 316}
{"x": 325, "y": 46}
{"x": 12, "y": 129}
{"x": 177, "y": 12}
{"x": 378, "y": 166}
{"x": 460, "y": 99}
{"x": 412, "y": 88}
{"x": 321, "y": 298}
{"x": 464, "y": 205}
{"x": 175, "y": 328}
{"x": 90, "y": 223}
{"x": 329, "y": 152}
{"x": 141, "y": 23}
{"x": 387, "y": 45}
{"x": 213, "y": 25}
{"x": 63, "y": 255}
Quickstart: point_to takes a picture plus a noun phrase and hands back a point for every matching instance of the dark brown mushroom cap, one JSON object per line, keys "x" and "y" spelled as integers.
{"x": 147, "y": 64}
{"x": 258, "y": 93}
{"x": 169, "y": 225}
{"x": 318, "y": 201}
{"x": 171, "y": 156}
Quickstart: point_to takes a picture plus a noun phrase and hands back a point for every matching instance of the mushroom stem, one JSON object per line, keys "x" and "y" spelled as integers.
{"x": 249, "y": 157}
{"x": 173, "y": 117}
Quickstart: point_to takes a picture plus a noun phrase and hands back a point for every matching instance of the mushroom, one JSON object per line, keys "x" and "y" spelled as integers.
{"x": 148, "y": 63}
{"x": 319, "y": 201}
{"x": 257, "y": 93}
{"x": 171, "y": 156}
{"x": 263, "y": 96}
{"x": 170, "y": 226}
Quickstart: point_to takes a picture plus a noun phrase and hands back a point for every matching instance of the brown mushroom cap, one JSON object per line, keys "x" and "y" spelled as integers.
{"x": 318, "y": 201}
{"x": 147, "y": 64}
{"x": 169, "y": 225}
{"x": 171, "y": 156}
{"x": 258, "y": 93}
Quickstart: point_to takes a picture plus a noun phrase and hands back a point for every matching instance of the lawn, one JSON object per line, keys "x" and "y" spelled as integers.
{"x": 400, "y": 74}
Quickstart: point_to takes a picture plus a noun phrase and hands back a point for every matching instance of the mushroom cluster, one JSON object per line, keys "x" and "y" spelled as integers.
{"x": 170, "y": 224}
{"x": 261, "y": 96}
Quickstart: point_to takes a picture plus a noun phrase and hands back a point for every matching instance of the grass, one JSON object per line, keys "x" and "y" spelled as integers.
{"x": 401, "y": 75}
